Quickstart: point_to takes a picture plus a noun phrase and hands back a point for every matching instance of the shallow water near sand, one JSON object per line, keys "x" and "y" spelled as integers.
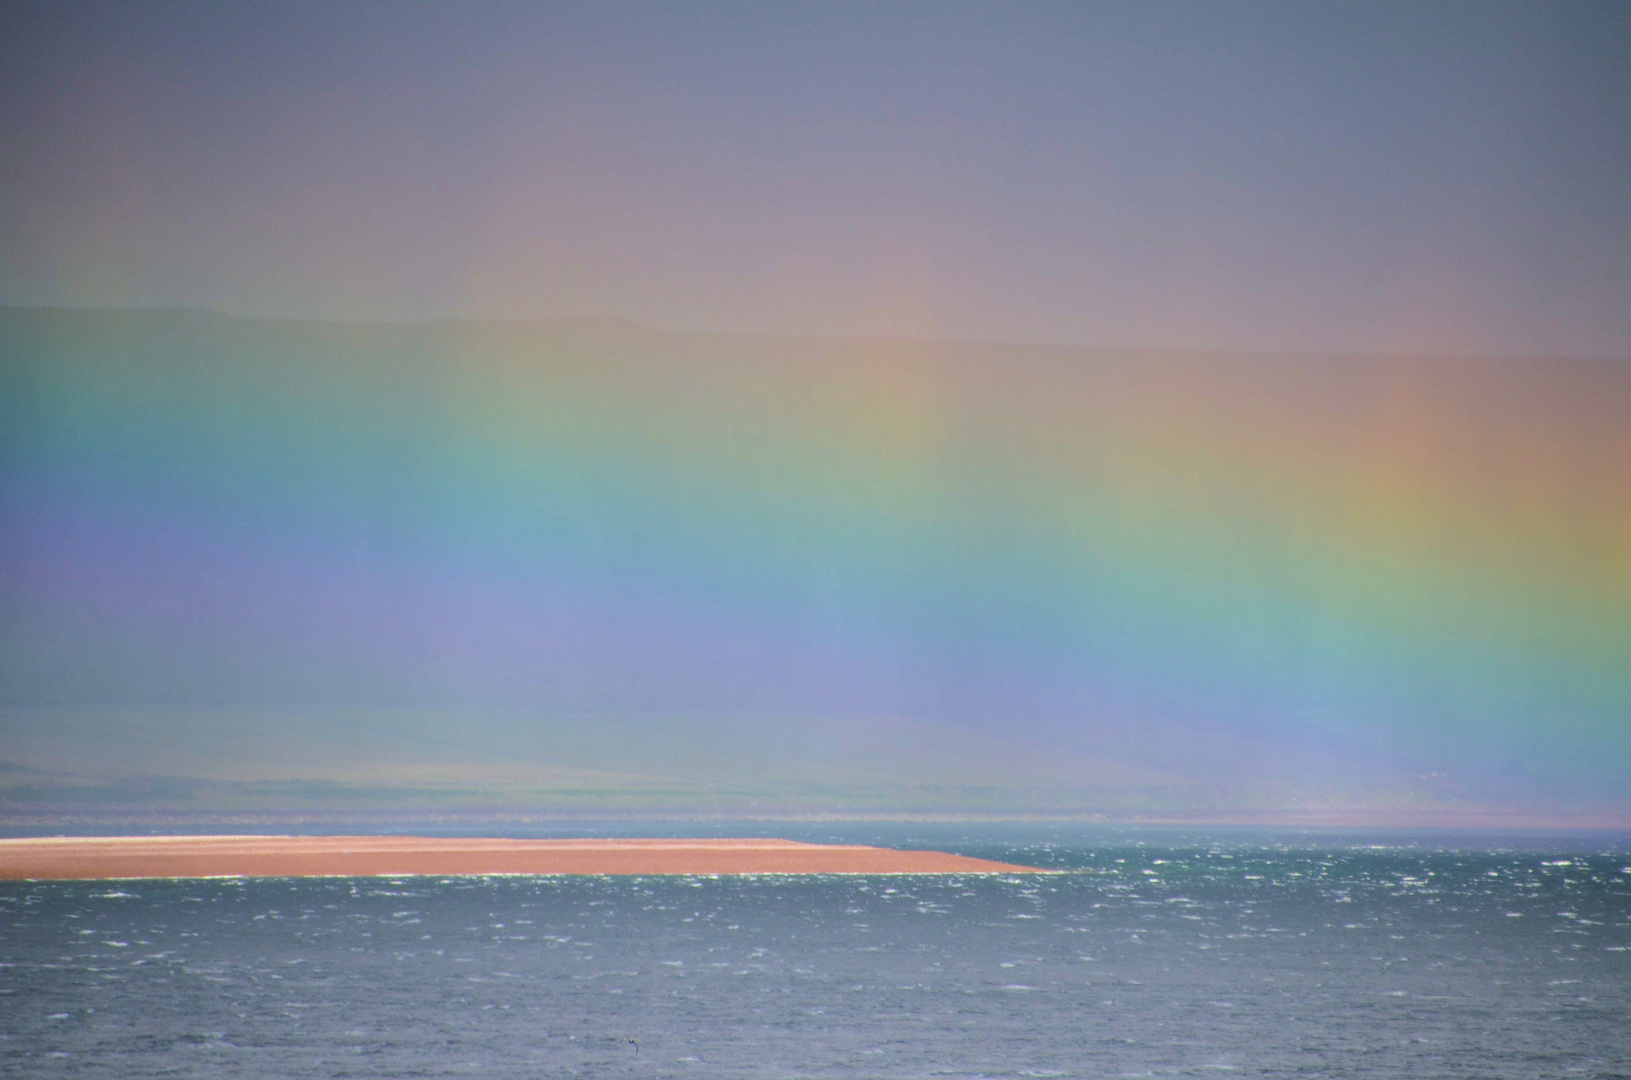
{"x": 1159, "y": 955}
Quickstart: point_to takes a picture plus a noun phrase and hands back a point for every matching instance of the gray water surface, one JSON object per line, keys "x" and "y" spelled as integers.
{"x": 1180, "y": 957}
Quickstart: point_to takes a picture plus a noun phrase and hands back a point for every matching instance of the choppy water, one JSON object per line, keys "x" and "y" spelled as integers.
{"x": 1170, "y": 958}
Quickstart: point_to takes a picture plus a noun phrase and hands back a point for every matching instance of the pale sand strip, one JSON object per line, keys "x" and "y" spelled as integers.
{"x": 93, "y": 857}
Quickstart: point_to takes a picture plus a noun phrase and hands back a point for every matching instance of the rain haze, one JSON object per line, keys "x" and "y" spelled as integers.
{"x": 1195, "y": 411}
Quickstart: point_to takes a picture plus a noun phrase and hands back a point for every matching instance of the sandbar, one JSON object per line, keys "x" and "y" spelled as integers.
{"x": 100, "y": 857}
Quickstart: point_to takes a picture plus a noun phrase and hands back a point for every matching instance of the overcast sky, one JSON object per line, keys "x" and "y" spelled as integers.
{"x": 1373, "y": 177}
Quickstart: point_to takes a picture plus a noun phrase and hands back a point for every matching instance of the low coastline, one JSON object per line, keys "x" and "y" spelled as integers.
{"x": 123, "y": 857}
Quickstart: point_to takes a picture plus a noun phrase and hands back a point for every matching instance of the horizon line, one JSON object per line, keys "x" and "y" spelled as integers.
{"x": 647, "y": 327}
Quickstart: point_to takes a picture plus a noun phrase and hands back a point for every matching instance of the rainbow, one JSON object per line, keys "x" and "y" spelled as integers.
{"x": 1427, "y": 559}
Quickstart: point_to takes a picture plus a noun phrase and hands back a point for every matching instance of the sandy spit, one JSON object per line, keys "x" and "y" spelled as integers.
{"x": 98, "y": 857}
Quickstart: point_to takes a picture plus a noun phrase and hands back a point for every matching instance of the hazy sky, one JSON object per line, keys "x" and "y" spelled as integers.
{"x": 1389, "y": 177}
{"x": 1413, "y": 568}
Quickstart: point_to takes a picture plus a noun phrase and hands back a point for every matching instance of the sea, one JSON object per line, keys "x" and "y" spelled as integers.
{"x": 1155, "y": 953}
